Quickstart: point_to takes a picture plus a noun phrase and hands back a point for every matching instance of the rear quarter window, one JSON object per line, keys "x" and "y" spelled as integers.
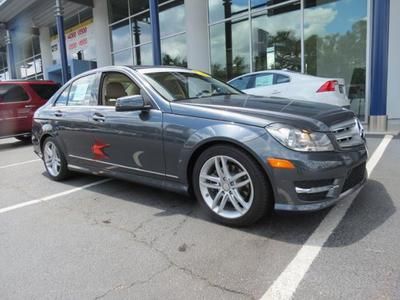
{"x": 282, "y": 78}
{"x": 45, "y": 91}
{"x": 12, "y": 93}
{"x": 241, "y": 83}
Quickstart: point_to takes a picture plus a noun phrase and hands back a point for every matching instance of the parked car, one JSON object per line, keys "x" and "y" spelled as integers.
{"x": 184, "y": 131}
{"x": 18, "y": 102}
{"x": 293, "y": 85}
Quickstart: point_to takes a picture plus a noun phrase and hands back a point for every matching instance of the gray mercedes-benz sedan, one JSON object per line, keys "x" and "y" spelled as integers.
{"x": 182, "y": 130}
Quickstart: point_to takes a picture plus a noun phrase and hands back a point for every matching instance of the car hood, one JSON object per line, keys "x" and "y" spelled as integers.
{"x": 262, "y": 111}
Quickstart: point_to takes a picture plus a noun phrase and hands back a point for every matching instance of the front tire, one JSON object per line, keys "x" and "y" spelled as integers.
{"x": 54, "y": 160}
{"x": 231, "y": 186}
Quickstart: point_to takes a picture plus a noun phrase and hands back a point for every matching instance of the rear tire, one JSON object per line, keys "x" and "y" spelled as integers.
{"x": 231, "y": 186}
{"x": 54, "y": 160}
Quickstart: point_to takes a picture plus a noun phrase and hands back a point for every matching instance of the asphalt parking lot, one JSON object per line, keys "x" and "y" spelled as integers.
{"x": 90, "y": 238}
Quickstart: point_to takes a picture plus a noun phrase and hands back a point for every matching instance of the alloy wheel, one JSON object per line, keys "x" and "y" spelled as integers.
{"x": 52, "y": 159}
{"x": 226, "y": 186}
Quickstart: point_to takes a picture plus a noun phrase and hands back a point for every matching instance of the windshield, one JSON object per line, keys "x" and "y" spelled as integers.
{"x": 177, "y": 85}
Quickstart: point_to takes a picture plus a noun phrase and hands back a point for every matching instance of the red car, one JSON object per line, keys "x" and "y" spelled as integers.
{"x": 19, "y": 100}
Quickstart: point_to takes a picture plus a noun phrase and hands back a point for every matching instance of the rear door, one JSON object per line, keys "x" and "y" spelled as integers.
{"x": 15, "y": 110}
{"x": 70, "y": 116}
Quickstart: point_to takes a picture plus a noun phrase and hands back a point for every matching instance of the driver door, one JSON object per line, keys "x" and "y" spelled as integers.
{"x": 125, "y": 142}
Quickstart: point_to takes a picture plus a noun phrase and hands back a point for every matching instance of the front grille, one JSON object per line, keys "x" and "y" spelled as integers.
{"x": 355, "y": 177}
{"x": 347, "y": 134}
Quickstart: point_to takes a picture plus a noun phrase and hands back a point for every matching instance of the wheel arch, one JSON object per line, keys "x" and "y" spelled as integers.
{"x": 227, "y": 142}
{"x": 42, "y": 139}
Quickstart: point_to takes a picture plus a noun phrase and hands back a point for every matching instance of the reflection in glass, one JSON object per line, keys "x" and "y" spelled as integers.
{"x": 137, "y": 6}
{"x": 173, "y": 51}
{"x": 223, "y": 9}
{"x": 262, "y": 3}
{"x": 276, "y": 39}
{"x": 335, "y": 44}
{"x": 172, "y": 18}
{"x": 123, "y": 57}
{"x": 143, "y": 54}
{"x": 118, "y": 9}
{"x": 230, "y": 49}
{"x": 141, "y": 29}
{"x": 120, "y": 36}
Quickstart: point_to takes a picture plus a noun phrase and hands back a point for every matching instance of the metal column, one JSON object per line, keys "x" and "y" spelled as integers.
{"x": 61, "y": 41}
{"x": 379, "y": 64}
{"x": 155, "y": 27}
{"x": 10, "y": 56}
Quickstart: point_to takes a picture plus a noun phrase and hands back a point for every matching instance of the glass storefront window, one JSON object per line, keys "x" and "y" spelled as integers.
{"x": 335, "y": 44}
{"x": 172, "y": 18}
{"x": 118, "y": 10}
{"x": 173, "y": 51}
{"x": 36, "y": 45}
{"x": 134, "y": 35}
{"x": 120, "y": 37}
{"x": 141, "y": 29}
{"x": 143, "y": 54}
{"x": 123, "y": 57}
{"x": 137, "y": 6}
{"x": 263, "y": 3}
{"x": 230, "y": 49}
{"x": 223, "y": 9}
{"x": 277, "y": 39}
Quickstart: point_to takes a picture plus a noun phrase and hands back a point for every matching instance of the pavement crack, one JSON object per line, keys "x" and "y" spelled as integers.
{"x": 137, "y": 282}
{"x": 170, "y": 263}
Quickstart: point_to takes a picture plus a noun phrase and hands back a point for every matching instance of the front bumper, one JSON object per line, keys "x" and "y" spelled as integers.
{"x": 319, "y": 180}
{"x": 324, "y": 203}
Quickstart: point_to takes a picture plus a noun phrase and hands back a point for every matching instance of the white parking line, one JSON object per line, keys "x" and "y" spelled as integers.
{"x": 286, "y": 284}
{"x": 54, "y": 196}
{"x": 20, "y": 163}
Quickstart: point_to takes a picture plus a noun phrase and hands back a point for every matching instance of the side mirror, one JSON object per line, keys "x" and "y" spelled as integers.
{"x": 130, "y": 103}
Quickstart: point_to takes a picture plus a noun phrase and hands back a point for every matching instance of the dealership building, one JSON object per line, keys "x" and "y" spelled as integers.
{"x": 357, "y": 40}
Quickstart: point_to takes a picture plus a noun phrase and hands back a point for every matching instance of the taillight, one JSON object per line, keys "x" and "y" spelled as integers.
{"x": 328, "y": 86}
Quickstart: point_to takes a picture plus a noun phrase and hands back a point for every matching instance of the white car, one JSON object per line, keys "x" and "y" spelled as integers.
{"x": 292, "y": 85}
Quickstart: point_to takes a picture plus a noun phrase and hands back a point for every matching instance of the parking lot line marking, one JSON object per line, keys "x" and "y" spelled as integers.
{"x": 286, "y": 284}
{"x": 19, "y": 163}
{"x": 54, "y": 196}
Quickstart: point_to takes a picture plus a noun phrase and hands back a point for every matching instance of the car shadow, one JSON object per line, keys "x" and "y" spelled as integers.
{"x": 371, "y": 208}
{"x": 5, "y": 145}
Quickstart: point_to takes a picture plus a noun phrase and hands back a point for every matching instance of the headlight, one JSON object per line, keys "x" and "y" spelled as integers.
{"x": 300, "y": 139}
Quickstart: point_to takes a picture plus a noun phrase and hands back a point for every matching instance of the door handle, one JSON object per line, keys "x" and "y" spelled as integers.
{"x": 30, "y": 106}
{"x": 275, "y": 92}
{"x": 58, "y": 113}
{"x": 98, "y": 117}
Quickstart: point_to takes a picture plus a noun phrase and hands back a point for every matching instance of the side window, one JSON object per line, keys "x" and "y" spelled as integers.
{"x": 82, "y": 91}
{"x": 63, "y": 98}
{"x": 116, "y": 85}
{"x": 45, "y": 91}
{"x": 12, "y": 93}
{"x": 281, "y": 78}
{"x": 241, "y": 83}
{"x": 264, "y": 80}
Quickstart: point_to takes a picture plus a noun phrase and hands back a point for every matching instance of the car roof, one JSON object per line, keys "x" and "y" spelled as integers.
{"x": 157, "y": 67}
{"x": 27, "y": 81}
{"x": 284, "y": 72}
